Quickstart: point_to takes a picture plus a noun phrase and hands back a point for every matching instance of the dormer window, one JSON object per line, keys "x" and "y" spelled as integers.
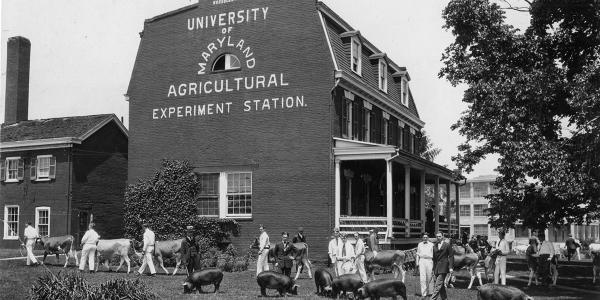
{"x": 383, "y": 75}
{"x": 355, "y": 55}
{"x": 226, "y": 62}
{"x": 404, "y": 91}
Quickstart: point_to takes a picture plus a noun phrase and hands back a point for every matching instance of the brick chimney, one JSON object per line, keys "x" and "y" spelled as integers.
{"x": 17, "y": 80}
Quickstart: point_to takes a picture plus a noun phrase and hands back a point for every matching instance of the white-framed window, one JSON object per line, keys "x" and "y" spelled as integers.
{"x": 11, "y": 225}
{"x": 383, "y": 75}
{"x": 239, "y": 194}
{"x": 356, "y": 55}
{"x": 347, "y": 118}
{"x": 465, "y": 210}
{"x": 42, "y": 168}
{"x": 208, "y": 196}
{"x": 225, "y": 195}
{"x": 480, "y": 189}
{"x": 42, "y": 220}
{"x": 400, "y": 134}
{"x": 480, "y": 229}
{"x": 12, "y": 169}
{"x": 226, "y": 62}
{"x": 465, "y": 191}
{"x": 479, "y": 210}
{"x": 404, "y": 91}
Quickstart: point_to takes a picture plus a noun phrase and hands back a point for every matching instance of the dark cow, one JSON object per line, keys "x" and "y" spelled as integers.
{"x": 491, "y": 291}
{"x": 323, "y": 281}
{"x": 107, "y": 249}
{"x": 393, "y": 259}
{"x": 383, "y": 288}
{"x": 168, "y": 249}
{"x": 276, "y": 281}
{"x": 57, "y": 245}
{"x": 208, "y": 276}
{"x": 346, "y": 283}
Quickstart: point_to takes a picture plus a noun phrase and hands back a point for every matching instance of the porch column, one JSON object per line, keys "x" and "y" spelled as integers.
{"x": 348, "y": 175}
{"x": 447, "y": 208}
{"x": 389, "y": 198}
{"x": 407, "y": 192}
{"x": 457, "y": 209}
{"x": 422, "y": 199}
{"x": 337, "y": 193}
{"x": 436, "y": 202}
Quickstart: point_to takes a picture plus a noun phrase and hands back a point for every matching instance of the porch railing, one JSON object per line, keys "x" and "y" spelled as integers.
{"x": 443, "y": 227}
{"x": 351, "y": 224}
{"x": 415, "y": 228}
{"x": 399, "y": 228}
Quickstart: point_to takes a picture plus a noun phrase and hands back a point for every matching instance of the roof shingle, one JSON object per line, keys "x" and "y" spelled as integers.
{"x": 67, "y": 127}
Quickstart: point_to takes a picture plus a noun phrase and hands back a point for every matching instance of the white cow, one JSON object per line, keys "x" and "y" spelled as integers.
{"x": 106, "y": 249}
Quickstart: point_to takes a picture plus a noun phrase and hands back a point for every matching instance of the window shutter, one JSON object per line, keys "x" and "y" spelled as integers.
{"x": 33, "y": 169}
{"x": 21, "y": 170}
{"x": 52, "y": 167}
{"x": 355, "y": 120}
{"x": 344, "y": 125}
{"x": 3, "y": 170}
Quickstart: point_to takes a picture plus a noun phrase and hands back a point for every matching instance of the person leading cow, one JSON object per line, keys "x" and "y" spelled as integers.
{"x": 443, "y": 261}
{"x": 262, "y": 263}
{"x": 89, "y": 242}
{"x": 31, "y": 234}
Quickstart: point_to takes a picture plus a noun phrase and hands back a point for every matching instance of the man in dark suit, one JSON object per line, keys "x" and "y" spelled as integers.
{"x": 443, "y": 260}
{"x": 283, "y": 255}
{"x": 189, "y": 249}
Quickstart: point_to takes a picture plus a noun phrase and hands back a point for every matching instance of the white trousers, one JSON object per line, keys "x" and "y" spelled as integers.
{"x": 262, "y": 262}
{"x": 500, "y": 270}
{"x": 87, "y": 253}
{"x": 29, "y": 246}
{"x": 147, "y": 260}
{"x": 425, "y": 275}
{"x": 360, "y": 266}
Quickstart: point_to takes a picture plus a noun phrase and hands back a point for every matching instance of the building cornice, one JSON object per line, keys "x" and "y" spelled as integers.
{"x": 39, "y": 144}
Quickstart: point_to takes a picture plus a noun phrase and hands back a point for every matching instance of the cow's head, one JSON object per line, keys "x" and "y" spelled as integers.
{"x": 255, "y": 244}
{"x": 362, "y": 293}
{"x": 327, "y": 291}
{"x": 39, "y": 241}
{"x": 293, "y": 288}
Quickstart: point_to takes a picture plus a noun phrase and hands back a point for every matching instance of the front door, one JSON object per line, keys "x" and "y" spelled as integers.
{"x": 82, "y": 227}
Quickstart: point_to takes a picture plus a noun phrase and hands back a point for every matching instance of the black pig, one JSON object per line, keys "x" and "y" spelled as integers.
{"x": 383, "y": 288}
{"x": 276, "y": 281}
{"x": 346, "y": 283}
{"x": 323, "y": 281}
{"x": 204, "y": 277}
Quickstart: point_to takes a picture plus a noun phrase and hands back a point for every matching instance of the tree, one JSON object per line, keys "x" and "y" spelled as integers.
{"x": 534, "y": 99}
{"x": 425, "y": 147}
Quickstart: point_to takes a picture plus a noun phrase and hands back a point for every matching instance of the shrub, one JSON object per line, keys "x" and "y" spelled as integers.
{"x": 71, "y": 285}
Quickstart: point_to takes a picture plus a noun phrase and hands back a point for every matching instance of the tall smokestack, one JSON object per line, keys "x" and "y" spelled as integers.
{"x": 17, "y": 80}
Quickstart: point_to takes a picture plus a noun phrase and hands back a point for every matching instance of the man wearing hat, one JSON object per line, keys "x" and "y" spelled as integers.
{"x": 345, "y": 257}
{"x": 334, "y": 243}
{"x": 262, "y": 263}
{"x": 571, "y": 246}
{"x": 189, "y": 249}
{"x": 148, "y": 250}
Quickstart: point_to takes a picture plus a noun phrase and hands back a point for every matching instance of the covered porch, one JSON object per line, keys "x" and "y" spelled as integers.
{"x": 394, "y": 192}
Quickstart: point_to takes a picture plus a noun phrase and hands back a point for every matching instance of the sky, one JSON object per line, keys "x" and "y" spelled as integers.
{"x": 83, "y": 54}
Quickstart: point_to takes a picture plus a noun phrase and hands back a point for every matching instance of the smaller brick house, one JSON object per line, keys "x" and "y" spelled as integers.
{"x": 57, "y": 173}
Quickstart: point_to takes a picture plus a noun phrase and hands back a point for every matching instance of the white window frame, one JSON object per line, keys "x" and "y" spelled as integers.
{"x": 37, "y": 167}
{"x": 37, "y": 218}
{"x": 383, "y": 75}
{"x": 358, "y": 55}
{"x": 223, "y": 196}
{"x": 7, "y": 178}
{"x": 404, "y": 91}
{"x": 7, "y": 235}
{"x": 460, "y": 211}
{"x": 485, "y": 206}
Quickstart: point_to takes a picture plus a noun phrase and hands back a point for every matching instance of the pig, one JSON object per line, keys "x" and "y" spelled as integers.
{"x": 323, "y": 281}
{"x": 208, "y": 276}
{"x": 276, "y": 281}
{"x": 346, "y": 283}
{"x": 491, "y": 291}
{"x": 383, "y": 288}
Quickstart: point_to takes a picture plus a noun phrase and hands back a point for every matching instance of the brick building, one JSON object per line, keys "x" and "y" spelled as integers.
{"x": 57, "y": 173}
{"x": 291, "y": 118}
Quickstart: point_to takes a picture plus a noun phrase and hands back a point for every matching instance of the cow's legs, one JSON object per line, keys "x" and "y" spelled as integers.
{"x": 397, "y": 270}
{"x": 120, "y": 264}
{"x": 57, "y": 257}
{"x": 162, "y": 265}
{"x": 66, "y": 259}
{"x": 177, "y": 263}
{"x": 74, "y": 254}
{"x": 472, "y": 279}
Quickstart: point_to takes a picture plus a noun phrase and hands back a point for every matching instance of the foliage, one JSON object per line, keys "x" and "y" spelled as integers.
{"x": 167, "y": 202}
{"x": 228, "y": 260}
{"x": 534, "y": 99}
{"x": 71, "y": 285}
{"x": 425, "y": 147}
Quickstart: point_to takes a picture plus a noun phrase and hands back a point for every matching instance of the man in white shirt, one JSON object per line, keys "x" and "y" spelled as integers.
{"x": 502, "y": 248}
{"x": 359, "y": 251}
{"x": 148, "y": 249}
{"x": 333, "y": 246}
{"x": 262, "y": 263}
{"x": 31, "y": 234}
{"x": 88, "y": 245}
{"x": 425, "y": 263}
{"x": 345, "y": 257}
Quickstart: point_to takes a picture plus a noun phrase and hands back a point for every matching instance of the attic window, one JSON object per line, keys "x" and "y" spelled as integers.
{"x": 404, "y": 91}
{"x": 383, "y": 75}
{"x": 226, "y": 62}
{"x": 355, "y": 56}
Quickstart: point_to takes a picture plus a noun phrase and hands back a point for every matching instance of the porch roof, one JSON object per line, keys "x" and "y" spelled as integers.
{"x": 345, "y": 149}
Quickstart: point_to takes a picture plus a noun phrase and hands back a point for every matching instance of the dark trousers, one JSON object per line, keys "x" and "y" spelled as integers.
{"x": 286, "y": 271}
{"x": 439, "y": 290}
{"x": 544, "y": 268}
{"x": 571, "y": 253}
{"x": 191, "y": 266}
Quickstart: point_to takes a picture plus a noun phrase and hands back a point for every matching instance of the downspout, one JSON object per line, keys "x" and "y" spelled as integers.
{"x": 332, "y": 155}
{"x": 69, "y": 189}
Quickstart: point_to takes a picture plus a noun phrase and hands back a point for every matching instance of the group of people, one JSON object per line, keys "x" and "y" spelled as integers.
{"x": 347, "y": 258}
{"x": 435, "y": 261}
{"x": 283, "y": 252}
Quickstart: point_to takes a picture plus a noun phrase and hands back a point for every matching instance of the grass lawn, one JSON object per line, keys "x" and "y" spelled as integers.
{"x": 16, "y": 280}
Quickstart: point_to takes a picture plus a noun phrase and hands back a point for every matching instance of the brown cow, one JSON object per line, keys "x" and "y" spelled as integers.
{"x": 57, "y": 245}
{"x": 106, "y": 249}
{"x": 465, "y": 258}
{"x": 168, "y": 249}
{"x": 393, "y": 259}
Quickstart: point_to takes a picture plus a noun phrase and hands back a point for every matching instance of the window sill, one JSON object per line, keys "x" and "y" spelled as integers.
{"x": 11, "y": 237}
{"x": 238, "y": 217}
{"x": 42, "y": 179}
{"x": 11, "y": 180}
{"x": 357, "y": 73}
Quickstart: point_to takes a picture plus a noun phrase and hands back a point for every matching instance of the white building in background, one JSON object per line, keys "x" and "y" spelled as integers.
{"x": 473, "y": 216}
